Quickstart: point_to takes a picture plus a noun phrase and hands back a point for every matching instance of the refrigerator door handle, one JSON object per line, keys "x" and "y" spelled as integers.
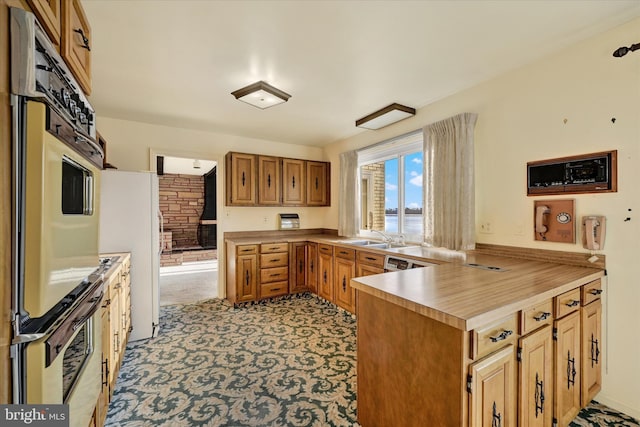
{"x": 161, "y": 248}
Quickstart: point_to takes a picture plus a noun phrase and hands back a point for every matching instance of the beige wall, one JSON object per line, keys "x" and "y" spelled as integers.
{"x": 521, "y": 118}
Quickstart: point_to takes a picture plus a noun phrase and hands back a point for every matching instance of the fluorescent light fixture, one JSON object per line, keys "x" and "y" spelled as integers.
{"x": 196, "y": 164}
{"x": 261, "y": 95}
{"x": 386, "y": 116}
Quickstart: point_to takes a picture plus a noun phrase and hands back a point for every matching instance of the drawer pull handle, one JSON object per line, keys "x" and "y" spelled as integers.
{"x": 503, "y": 336}
{"x": 595, "y": 291}
{"x": 275, "y": 275}
{"x": 542, "y": 316}
{"x": 539, "y": 396}
{"x": 595, "y": 351}
{"x": 370, "y": 258}
{"x": 344, "y": 253}
{"x": 273, "y": 260}
{"x": 273, "y": 248}
{"x": 105, "y": 364}
{"x": 344, "y": 283}
{"x": 572, "y": 303}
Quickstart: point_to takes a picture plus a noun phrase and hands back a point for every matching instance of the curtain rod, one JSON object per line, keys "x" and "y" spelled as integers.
{"x": 389, "y": 141}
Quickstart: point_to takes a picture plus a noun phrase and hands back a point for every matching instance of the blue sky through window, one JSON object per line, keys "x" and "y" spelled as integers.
{"x": 412, "y": 182}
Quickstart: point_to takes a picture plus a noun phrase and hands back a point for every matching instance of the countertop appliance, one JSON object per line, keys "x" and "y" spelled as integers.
{"x": 289, "y": 221}
{"x": 57, "y": 282}
{"x": 130, "y": 222}
{"x": 397, "y": 263}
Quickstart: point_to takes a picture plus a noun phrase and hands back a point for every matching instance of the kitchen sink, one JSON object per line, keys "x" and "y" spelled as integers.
{"x": 374, "y": 244}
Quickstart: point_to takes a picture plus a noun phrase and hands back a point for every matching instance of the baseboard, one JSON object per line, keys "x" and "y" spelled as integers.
{"x": 618, "y": 406}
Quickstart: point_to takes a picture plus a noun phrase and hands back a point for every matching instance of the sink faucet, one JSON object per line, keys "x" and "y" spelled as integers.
{"x": 385, "y": 237}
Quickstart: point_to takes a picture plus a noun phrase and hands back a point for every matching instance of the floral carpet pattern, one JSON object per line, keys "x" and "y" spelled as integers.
{"x": 287, "y": 362}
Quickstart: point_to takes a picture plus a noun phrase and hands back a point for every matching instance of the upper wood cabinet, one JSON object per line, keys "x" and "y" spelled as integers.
{"x": 241, "y": 179}
{"x": 76, "y": 42}
{"x": 317, "y": 188}
{"x": 269, "y": 180}
{"x": 293, "y": 186}
{"x": 256, "y": 180}
{"x": 49, "y": 14}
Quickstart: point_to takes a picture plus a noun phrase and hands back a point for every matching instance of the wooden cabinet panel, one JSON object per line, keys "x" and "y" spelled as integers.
{"x": 270, "y": 260}
{"x": 246, "y": 278}
{"x": 76, "y": 42}
{"x": 494, "y": 336}
{"x": 269, "y": 180}
{"x": 325, "y": 278}
{"x": 591, "y": 379}
{"x": 247, "y": 249}
{"x": 367, "y": 270}
{"x": 536, "y": 379}
{"x": 344, "y": 295}
{"x": 567, "y": 368}
{"x": 317, "y": 188}
{"x": 49, "y": 14}
{"x": 536, "y": 316}
{"x": 345, "y": 253}
{"x": 240, "y": 179}
{"x": 492, "y": 387}
{"x": 567, "y": 303}
{"x": 105, "y": 390}
{"x": 591, "y": 292}
{"x": 271, "y": 248}
{"x": 114, "y": 323}
{"x": 274, "y": 289}
{"x": 370, "y": 258}
{"x": 277, "y": 274}
{"x": 312, "y": 267}
{"x": 293, "y": 185}
{"x": 298, "y": 266}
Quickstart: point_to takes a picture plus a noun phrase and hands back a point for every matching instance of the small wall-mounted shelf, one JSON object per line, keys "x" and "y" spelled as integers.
{"x": 587, "y": 173}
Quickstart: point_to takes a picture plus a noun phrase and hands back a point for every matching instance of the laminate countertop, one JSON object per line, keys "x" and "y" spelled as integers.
{"x": 467, "y": 297}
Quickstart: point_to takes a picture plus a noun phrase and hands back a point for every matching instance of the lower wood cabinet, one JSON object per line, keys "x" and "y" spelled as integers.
{"x": 567, "y": 368}
{"x": 298, "y": 271}
{"x": 535, "y": 357}
{"x": 492, "y": 388}
{"x": 312, "y": 267}
{"x": 591, "y": 380}
{"x": 345, "y": 269}
{"x": 242, "y": 272}
{"x": 325, "y": 271}
{"x": 274, "y": 269}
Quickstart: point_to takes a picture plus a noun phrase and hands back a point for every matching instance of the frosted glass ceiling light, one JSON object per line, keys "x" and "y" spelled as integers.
{"x": 386, "y": 116}
{"x": 261, "y": 95}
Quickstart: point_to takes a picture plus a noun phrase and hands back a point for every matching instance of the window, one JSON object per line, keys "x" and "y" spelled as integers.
{"x": 391, "y": 196}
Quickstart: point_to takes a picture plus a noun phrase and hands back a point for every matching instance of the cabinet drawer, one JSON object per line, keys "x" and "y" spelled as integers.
{"x": 277, "y": 274}
{"x": 376, "y": 260}
{"x": 247, "y": 249}
{"x": 325, "y": 249}
{"x": 567, "y": 303}
{"x": 591, "y": 291}
{"x": 269, "y": 248}
{"x": 345, "y": 253}
{"x": 536, "y": 316}
{"x": 493, "y": 337}
{"x": 274, "y": 260}
{"x": 274, "y": 289}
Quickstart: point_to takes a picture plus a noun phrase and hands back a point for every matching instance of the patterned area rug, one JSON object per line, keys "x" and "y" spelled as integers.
{"x": 290, "y": 362}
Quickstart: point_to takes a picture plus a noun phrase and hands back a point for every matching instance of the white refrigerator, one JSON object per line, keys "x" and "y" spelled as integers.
{"x": 129, "y": 222}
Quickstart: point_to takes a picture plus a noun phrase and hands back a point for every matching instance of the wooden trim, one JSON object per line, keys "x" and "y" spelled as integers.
{"x": 579, "y": 259}
{"x": 278, "y": 234}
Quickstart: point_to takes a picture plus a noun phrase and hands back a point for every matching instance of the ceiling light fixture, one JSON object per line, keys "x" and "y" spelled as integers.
{"x": 261, "y": 95}
{"x": 196, "y": 164}
{"x": 386, "y": 116}
{"x": 622, "y": 51}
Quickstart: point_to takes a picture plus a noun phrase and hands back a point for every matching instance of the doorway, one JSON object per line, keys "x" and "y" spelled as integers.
{"x": 187, "y": 200}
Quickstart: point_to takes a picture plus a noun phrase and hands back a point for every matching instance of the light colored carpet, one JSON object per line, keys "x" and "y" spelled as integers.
{"x": 188, "y": 283}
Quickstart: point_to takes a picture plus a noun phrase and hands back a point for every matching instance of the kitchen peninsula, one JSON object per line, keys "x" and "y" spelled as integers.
{"x": 468, "y": 343}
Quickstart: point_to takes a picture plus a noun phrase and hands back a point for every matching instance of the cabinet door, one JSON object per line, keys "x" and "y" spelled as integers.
{"x": 312, "y": 267}
{"x": 293, "y": 185}
{"x": 268, "y": 180}
{"x": 49, "y": 14}
{"x": 567, "y": 368}
{"x": 492, "y": 385}
{"x": 116, "y": 331}
{"x": 368, "y": 270}
{"x": 317, "y": 184}
{"x": 241, "y": 180}
{"x": 325, "y": 279}
{"x": 246, "y": 277}
{"x": 343, "y": 293}
{"x": 298, "y": 268}
{"x": 591, "y": 351}
{"x": 105, "y": 393}
{"x": 536, "y": 379}
{"x": 77, "y": 42}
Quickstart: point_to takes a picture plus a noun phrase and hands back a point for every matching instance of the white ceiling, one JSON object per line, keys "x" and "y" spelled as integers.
{"x": 176, "y": 62}
{"x": 180, "y": 165}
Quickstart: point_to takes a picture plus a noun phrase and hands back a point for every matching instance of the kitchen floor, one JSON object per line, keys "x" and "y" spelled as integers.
{"x": 189, "y": 282}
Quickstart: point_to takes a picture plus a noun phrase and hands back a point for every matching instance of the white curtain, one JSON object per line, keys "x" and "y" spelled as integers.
{"x": 349, "y": 197}
{"x": 449, "y": 194}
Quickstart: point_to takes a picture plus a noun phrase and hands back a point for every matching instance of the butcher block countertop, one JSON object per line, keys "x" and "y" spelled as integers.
{"x": 468, "y": 297}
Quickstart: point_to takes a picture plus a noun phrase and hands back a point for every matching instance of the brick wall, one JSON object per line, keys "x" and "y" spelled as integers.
{"x": 181, "y": 204}
{"x": 376, "y": 171}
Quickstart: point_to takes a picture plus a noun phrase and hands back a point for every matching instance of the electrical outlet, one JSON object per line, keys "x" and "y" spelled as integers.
{"x": 265, "y": 219}
{"x": 485, "y": 227}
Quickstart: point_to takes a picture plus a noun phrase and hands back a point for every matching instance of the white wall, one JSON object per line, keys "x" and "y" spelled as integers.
{"x": 521, "y": 118}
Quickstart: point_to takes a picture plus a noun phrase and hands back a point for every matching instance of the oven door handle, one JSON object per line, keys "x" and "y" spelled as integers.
{"x": 80, "y": 136}
{"x": 94, "y": 307}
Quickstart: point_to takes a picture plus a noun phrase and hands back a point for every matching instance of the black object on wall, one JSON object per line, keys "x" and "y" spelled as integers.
{"x": 207, "y": 229}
